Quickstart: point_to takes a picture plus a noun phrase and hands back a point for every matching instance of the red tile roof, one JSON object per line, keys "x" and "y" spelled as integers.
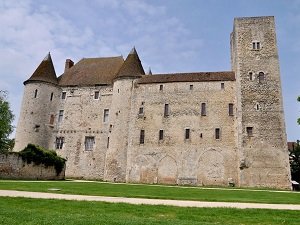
{"x": 188, "y": 77}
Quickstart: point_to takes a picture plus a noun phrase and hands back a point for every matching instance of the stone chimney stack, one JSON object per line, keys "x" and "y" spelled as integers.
{"x": 69, "y": 64}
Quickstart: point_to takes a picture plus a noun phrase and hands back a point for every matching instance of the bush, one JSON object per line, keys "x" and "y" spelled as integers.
{"x": 38, "y": 155}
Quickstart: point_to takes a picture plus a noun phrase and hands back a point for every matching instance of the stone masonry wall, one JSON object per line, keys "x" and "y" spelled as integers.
{"x": 13, "y": 167}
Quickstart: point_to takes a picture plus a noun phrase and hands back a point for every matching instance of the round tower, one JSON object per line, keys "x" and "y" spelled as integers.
{"x": 41, "y": 94}
{"x": 116, "y": 157}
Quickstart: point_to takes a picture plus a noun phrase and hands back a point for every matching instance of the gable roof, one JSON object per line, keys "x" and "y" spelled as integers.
{"x": 45, "y": 72}
{"x": 132, "y": 66}
{"x": 92, "y": 71}
{"x": 188, "y": 77}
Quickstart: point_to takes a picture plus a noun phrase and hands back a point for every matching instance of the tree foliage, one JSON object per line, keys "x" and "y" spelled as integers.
{"x": 295, "y": 161}
{"x": 6, "y": 118}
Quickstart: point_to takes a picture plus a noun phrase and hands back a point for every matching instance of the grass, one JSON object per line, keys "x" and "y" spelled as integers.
{"x": 156, "y": 192}
{"x": 40, "y": 211}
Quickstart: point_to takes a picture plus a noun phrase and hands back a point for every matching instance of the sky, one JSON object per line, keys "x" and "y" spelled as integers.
{"x": 169, "y": 36}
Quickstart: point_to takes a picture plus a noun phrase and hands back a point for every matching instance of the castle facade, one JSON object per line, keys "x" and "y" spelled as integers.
{"x": 113, "y": 122}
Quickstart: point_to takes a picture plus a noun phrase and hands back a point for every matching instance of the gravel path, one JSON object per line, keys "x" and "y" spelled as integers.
{"x": 180, "y": 203}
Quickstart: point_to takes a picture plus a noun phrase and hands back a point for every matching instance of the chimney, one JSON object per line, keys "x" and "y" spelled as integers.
{"x": 69, "y": 64}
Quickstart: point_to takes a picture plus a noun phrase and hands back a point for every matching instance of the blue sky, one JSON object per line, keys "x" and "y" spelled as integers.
{"x": 169, "y": 35}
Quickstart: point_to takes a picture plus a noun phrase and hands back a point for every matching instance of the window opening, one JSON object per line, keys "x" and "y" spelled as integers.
{"x": 166, "y": 110}
{"x": 51, "y": 119}
{"x": 203, "y": 109}
{"x": 261, "y": 77}
{"x": 96, "y": 95}
{"x": 89, "y": 143}
{"x": 222, "y": 86}
{"x": 141, "y": 110}
{"x": 191, "y": 87}
{"x": 161, "y": 134}
{"x": 250, "y": 76}
{"x": 217, "y": 133}
{"x": 51, "y": 96}
{"x": 161, "y": 87}
{"x": 59, "y": 142}
{"x": 249, "y": 131}
{"x": 106, "y": 115}
{"x": 256, "y": 45}
{"x": 142, "y": 137}
{"x": 35, "y": 93}
{"x": 63, "y": 95}
{"x": 187, "y": 133}
{"x": 107, "y": 146}
{"x": 230, "y": 109}
{"x": 60, "y": 115}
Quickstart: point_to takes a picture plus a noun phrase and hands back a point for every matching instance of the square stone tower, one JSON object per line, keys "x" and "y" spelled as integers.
{"x": 261, "y": 136}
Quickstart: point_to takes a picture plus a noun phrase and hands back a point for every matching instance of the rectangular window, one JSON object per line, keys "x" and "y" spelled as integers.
{"x": 257, "y": 45}
{"x": 63, "y": 95}
{"x": 96, "y": 95}
{"x": 51, "y": 96}
{"x": 60, "y": 115}
{"x": 161, "y": 134}
{"x": 107, "y": 142}
{"x": 35, "y": 93}
{"x": 51, "y": 119}
{"x": 191, "y": 87}
{"x": 203, "y": 109}
{"x": 105, "y": 115}
{"x": 141, "y": 110}
{"x": 161, "y": 87}
{"x": 166, "y": 110}
{"x": 59, "y": 142}
{"x": 217, "y": 133}
{"x": 222, "y": 86}
{"x": 249, "y": 131}
{"x": 142, "y": 137}
{"x": 89, "y": 143}
{"x": 230, "y": 109}
{"x": 250, "y": 76}
{"x": 187, "y": 133}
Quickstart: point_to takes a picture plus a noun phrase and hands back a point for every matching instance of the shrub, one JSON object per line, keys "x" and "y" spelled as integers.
{"x": 38, "y": 155}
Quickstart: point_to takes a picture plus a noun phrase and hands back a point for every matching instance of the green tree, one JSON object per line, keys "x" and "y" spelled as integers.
{"x": 6, "y": 118}
{"x": 295, "y": 161}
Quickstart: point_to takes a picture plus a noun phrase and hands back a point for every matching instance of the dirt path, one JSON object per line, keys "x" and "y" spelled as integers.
{"x": 180, "y": 203}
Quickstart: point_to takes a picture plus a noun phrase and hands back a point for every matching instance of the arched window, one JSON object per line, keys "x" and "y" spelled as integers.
{"x": 35, "y": 93}
{"x": 261, "y": 77}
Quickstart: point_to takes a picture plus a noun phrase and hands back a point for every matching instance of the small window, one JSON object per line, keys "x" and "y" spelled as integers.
{"x": 161, "y": 134}
{"x": 142, "y": 137}
{"x": 96, "y": 95}
{"x": 105, "y": 115}
{"x": 51, "y": 96}
{"x": 141, "y": 110}
{"x": 63, "y": 95}
{"x": 203, "y": 109}
{"x": 261, "y": 77}
{"x": 161, "y": 87}
{"x": 217, "y": 133}
{"x": 35, "y": 93}
{"x": 59, "y": 142}
{"x": 191, "y": 87}
{"x": 187, "y": 133}
{"x": 249, "y": 131}
{"x": 89, "y": 143}
{"x": 230, "y": 109}
{"x": 166, "y": 110}
{"x": 256, "y": 45}
{"x": 222, "y": 86}
{"x": 107, "y": 146}
{"x": 250, "y": 76}
{"x": 60, "y": 115}
{"x": 51, "y": 119}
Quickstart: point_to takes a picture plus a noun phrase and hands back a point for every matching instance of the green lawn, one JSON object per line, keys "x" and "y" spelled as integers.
{"x": 16, "y": 211}
{"x": 156, "y": 192}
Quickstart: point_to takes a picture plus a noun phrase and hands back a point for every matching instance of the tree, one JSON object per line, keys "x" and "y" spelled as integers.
{"x": 298, "y": 101}
{"x": 295, "y": 161}
{"x": 6, "y": 118}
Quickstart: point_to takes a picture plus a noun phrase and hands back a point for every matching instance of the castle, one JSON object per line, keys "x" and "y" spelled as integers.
{"x": 113, "y": 122}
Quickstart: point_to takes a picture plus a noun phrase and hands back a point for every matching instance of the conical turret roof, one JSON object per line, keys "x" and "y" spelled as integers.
{"x": 132, "y": 66}
{"x": 45, "y": 72}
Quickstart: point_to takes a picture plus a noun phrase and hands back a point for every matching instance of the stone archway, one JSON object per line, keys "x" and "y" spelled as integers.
{"x": 142, "y": 171}
{"x": 167, "y": 171}
{"x": 211, "y": 168}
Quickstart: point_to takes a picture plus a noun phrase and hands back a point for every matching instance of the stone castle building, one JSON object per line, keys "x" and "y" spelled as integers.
{"x": 113, "y": 122}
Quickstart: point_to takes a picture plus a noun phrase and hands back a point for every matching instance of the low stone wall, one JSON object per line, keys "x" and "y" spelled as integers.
{"x": 13, "y": 167}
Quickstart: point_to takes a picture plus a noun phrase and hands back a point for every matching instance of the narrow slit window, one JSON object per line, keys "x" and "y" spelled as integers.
{"x": 107, "y": 146}
{"x": 35, "y": 93}
{"x": 250, "y": 76}
{"x": 142, "y": 137}
{"x": 230, "y": 109}
{"x": 106, "y": 115}
{"x": 217, "y": 133}
{"x": 51, "y": 96}
{"x": 203, "y": 109}
{"x": 166, "y": 110}
{"x": 187, "y": 133}
{"x": 63, "y": 95}
{"x": 161, "y": 87}
{"x": 141, "y": 110}
{"x": 261, "y": 77}
{"x": 161, "y": 134}
{"x": 96, "y": 95}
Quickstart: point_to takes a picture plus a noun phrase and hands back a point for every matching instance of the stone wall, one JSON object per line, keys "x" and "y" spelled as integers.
{"x": 13, "y": 167}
